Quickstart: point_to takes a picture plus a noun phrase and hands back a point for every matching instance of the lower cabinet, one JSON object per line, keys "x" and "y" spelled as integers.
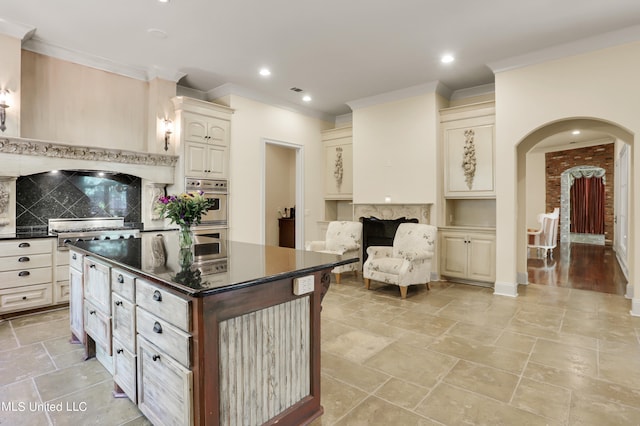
{"x": 76, "y": 297}
{"x": 468, "y": 254}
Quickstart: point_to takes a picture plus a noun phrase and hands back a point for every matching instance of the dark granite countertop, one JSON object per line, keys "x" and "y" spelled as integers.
{"x": 246, "y": 264}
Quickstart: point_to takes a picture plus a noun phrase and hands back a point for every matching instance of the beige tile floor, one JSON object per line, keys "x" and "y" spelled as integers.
{"x": 455, "y": 355}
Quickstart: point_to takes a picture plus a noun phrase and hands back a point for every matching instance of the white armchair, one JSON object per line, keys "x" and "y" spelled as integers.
{"x": 546, "y": 237}
{"x": 343, "y": 238}
{"x": 407, "y": 262}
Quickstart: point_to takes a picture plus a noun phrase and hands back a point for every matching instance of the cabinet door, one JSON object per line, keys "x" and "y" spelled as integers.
{"x": 218, "y": 132}
{"x": 469, "y": 161}
{"x": 124, "y": 321}
{"x": 216, "y": 161}
{"x": 124, "y": 369}
{"x": 195, "y": 128}
{"x": 165, "y": 388}
{"x": 453, "y": 254}
{"x": 97, "y": 284}
{"x": 76, "y": 304}
{"x": 196, "y": 160}
{"x": 482, "y": 257}
{"x": 26, "y": 297}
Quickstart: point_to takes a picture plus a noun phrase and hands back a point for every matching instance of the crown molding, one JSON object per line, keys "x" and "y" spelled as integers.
{"x": 15, "y": 30}
{"x": 471, "y": 92}
{"x": 585, "y": 45}
{"x": 396, "y": 95}
{"x": 238, "y": 90}
{"x": 37, "y": 45}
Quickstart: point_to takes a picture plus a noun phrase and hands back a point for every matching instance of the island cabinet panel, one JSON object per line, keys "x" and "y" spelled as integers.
{"x": 124, "y": 321}
{"x": 164, "y": 387}
{"x": 247, "y": 345}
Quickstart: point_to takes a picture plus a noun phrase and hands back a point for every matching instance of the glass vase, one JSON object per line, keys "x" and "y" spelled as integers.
{"x": 185, "y": 241}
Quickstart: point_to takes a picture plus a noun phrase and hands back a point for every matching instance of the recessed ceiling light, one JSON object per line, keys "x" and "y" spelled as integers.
{"x": 265, "y": 72}
{"x": 163, "y": 1}
{"x": 446, "y": 59}
{"x": 575, "y": 132}
{"x": 157, "y": 33}
{"x": 306, "y": 98}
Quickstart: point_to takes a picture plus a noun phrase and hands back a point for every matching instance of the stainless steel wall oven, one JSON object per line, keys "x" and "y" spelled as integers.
{"x": 215, "y": 189}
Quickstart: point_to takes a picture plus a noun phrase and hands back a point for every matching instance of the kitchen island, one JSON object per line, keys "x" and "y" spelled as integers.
{"x": 229, "y": 341}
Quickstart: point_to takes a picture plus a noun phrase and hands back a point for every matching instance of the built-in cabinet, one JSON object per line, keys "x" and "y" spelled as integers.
{"x": 26, "y": 277}
{"x": 468, "y": 253}
{"x": 467, "y": 232}
{"x": 203, "y": 136}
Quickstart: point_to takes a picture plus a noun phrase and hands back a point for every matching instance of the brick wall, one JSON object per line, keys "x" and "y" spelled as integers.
{"x": 598, "y": 156}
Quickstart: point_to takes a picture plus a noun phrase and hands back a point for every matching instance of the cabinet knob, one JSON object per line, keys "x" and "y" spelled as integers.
{"x": 118, "y": 302}
{"x": 155, "y": 357}
{"x": 24, "y": 297}
{"x": 157, "y": 296}
{"x": 73, "y": 256}
{"x": 119, "y": 351}
{"x": 24, "y": 273}
{"x": 93, "y": 265}
{"x": 120, "y": 278}
{"x": 24, "y": 245}
{"x": 92, "y": 312}
{"x": 24, "y": 259}
{"x": 157, "y": 328}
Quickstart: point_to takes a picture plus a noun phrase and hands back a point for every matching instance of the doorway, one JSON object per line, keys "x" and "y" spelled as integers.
{"x": 283, "y": 192}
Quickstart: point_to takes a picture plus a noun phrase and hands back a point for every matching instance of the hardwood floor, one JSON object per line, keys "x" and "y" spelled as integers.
{"x": 580, "y": 266}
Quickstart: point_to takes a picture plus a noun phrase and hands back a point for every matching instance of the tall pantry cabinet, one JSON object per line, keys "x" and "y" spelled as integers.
{"x": 467, "y": 236}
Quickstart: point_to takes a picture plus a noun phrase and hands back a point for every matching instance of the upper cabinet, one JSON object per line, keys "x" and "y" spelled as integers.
{"x": 203, "y": 131}
{"x": 468, "y": 135}
{"x": 338, "y": 160}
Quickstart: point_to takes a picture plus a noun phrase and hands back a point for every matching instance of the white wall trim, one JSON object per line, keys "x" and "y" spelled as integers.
{"x": 589, "y": 44}
{"x": 19, "y": 31}
{"x": 522, "y": 277}
{"x": 245, "y": 92}
{"x": 36, "y": 45}
{"x": 299, "y": 188}
{"x": 635, "y": 308}
{"x": 471, "y": 92}
{"x": 505, "y": 289}
{"x": 396, "y": 95}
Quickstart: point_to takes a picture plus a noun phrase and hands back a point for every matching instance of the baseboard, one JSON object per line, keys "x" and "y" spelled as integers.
{"x": 522, "y": 277}
{"x": 635, "y": 308}
{"x": 505, "y": 289}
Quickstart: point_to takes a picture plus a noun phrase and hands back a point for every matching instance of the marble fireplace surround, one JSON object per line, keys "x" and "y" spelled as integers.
{"x": 422, "y": 212}
{"x": 22, "y": 157}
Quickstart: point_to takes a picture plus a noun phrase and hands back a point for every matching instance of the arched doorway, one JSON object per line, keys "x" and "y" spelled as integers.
{"x": 560, "y": 135}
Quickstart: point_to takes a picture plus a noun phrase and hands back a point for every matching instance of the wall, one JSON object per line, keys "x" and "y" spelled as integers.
{"x": 395, "y": 151}
{"x": 536, "y": 193}
{"x": 601, "y": 85}
{"x": 597, "y": 156}
{"x": 252, "y": 122}
{"x": 74, "y": 104}
{"x": 10, "y": 66}
{"x": 280, "y": 188}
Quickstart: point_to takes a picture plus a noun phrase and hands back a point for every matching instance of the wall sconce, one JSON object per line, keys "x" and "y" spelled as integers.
{"x": 168, "y": 129}
{"x": 4, "y": 98}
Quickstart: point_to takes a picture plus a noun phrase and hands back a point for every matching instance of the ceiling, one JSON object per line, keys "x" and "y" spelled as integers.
{"x": 337, "y": 51}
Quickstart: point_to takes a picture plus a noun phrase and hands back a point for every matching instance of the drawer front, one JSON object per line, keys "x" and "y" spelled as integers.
{"x": 25, "y": 277}
{"x": 62, "y": 273}
{"x": 97, "y": 325}
{"x": 105, "y": 359}
{"x": 123, "y": 321}
{"x": 124, "y": 369}
{"x": 97, "y": 284}
{"x": 26, "y": 247}
{"x": 60, "y": 292}
{"x": 17, "y": 299}
{"x": 124, "y": 284}
{"x": 163, "y": 304}
{"x": 165, "y": 336}
{"x": 12, "y": 263}
{"x": 75, "y": 260}
{"x": 165, "y": 388}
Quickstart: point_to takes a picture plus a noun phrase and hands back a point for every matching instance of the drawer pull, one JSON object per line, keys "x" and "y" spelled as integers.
{"x": 119, "y": 351}
{"x": 92, "y": 312}
{"x": 93, "y": 265}
{"x": 157, "y": 328}
{"x": 24, "y": 245}
{"x": 118, "y": 302}
{"x": 24, "y": 259}
{"x": 157, "y": 296}
{"x": 73, "y": 256}
{"x": 155, "y": 357}
{"x": 120, "y": 278}
{"x": 24, "y": 297}
{"x": 24, "y": 273}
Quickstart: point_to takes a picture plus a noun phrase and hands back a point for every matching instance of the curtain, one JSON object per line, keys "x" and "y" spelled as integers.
{"x": 587, "y": 205}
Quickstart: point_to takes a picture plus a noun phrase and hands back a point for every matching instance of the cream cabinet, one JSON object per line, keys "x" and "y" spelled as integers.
{"x": 338, "y": 162}
{"x": 468, "y": 134}
{"x": 203, "y": 137}
{"x": 468, "y": 254}
{"x": 76, "y": 296}
{"x": 25, "y": 274}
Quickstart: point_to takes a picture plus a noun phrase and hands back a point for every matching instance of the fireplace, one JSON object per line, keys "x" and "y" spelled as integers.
{"x": 380, "y": 232}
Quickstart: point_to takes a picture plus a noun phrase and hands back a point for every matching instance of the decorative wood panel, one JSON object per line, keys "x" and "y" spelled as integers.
{"x": 264, "y": 362}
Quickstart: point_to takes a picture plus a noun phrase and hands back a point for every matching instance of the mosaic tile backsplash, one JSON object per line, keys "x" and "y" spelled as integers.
{"x": 69, "y": 194}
